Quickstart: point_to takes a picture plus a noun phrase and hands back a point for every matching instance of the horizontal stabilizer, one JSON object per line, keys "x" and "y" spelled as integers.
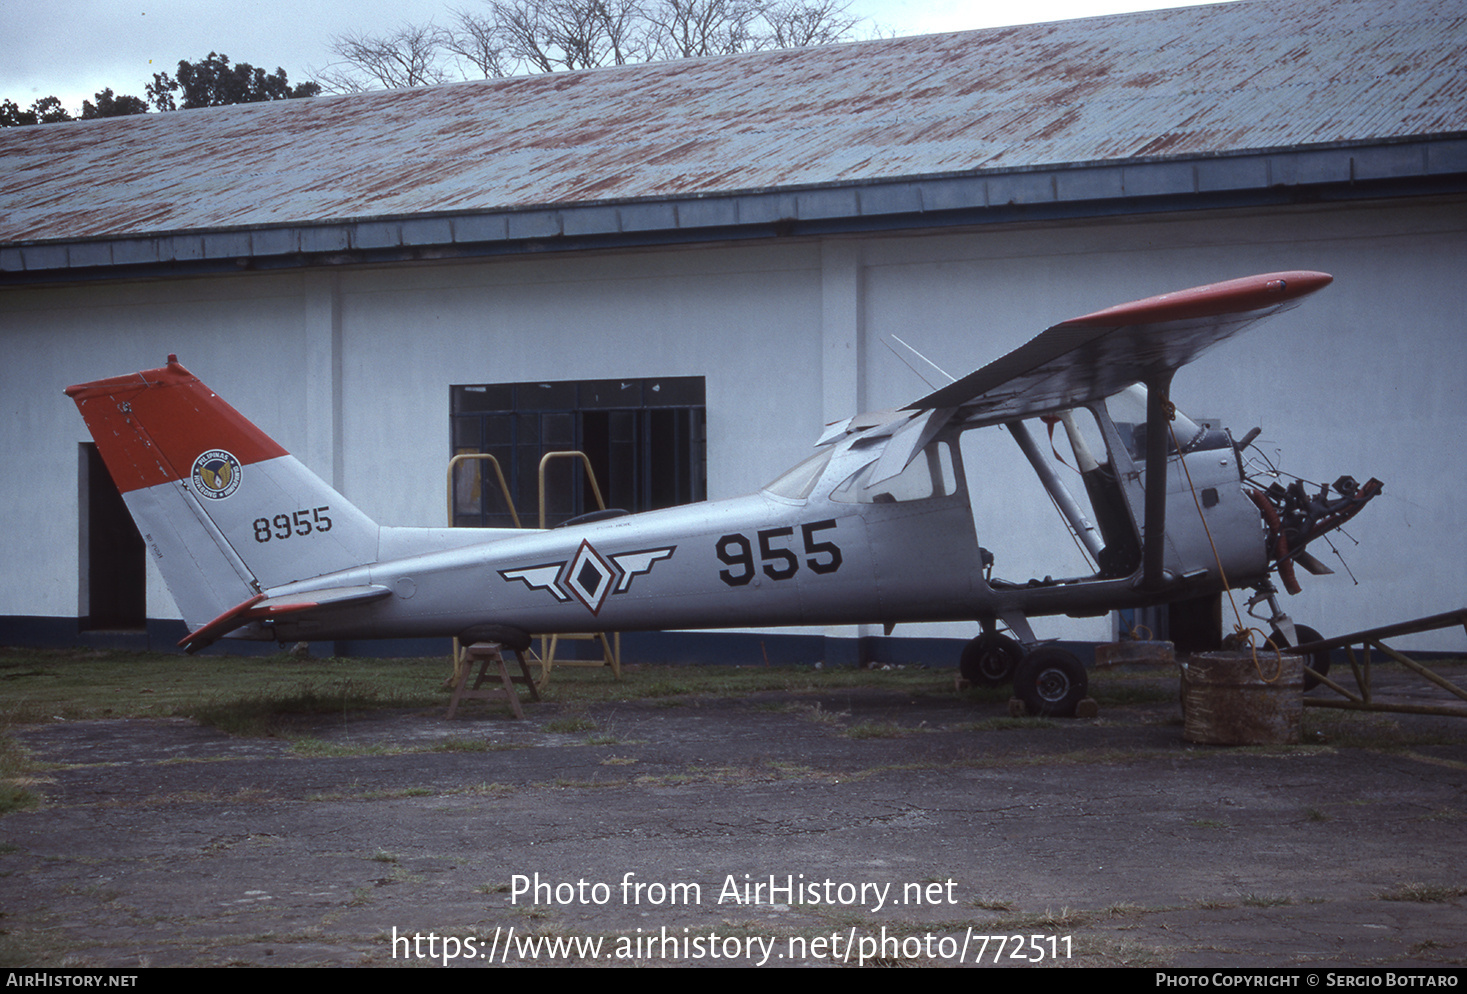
{"x": 261, "y": 608}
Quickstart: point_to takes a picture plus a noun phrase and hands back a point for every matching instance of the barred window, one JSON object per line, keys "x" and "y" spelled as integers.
{"x": 646, "y": 440}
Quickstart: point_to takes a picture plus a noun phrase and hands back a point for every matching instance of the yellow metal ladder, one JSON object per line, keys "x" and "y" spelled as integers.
{"x": 610, "y": 646}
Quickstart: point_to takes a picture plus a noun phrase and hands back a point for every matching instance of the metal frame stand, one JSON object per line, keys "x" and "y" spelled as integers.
{"x": 1363, "y": 698}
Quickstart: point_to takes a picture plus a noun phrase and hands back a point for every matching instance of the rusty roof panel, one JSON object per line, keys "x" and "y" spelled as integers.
{"x": 1161, "y": 85}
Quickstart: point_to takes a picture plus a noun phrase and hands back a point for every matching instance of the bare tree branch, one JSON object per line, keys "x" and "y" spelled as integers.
{"x": 519, "y": 36}
{"x": 546, "y": 35}
{"x": 803, "y": 23}
{"x": 409, "y": 56}
{"x": 683, "y": 29}
{"x": 479, "y": 42}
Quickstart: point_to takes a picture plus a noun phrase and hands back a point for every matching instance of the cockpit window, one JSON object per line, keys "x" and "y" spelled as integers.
{"x": 797, "y": 482}
{"x": 931, "y": 474}
{"x": 1128, "y": 410}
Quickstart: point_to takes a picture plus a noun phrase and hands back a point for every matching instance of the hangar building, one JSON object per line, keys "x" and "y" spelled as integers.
{"x": 688, "y": 268}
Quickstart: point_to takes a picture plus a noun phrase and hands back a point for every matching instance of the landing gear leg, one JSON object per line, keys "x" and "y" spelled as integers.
{"x": 1284, "y": 633}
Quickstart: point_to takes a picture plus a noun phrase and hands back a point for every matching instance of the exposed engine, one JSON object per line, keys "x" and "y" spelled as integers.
{"x": 1295, "y": 518}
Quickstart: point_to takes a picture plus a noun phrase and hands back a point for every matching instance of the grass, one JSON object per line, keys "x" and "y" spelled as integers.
{"x": 16, "y": 776}
{"x": 1106, "y": 951}
{"x": 44, "y": 684}
{"x": 319, "y": 748}
{"x": 1424, "y": 893}
{"x": 254, "y": 695}
{"x": 570, "y": 724}
{"x": 270, "y": 711}
{"x": 472, "y": 745}
{"x": 245, "y": 692}
{"x": 1366, "y": 730}
{"x": 993, "y": 904}
{"x": 1064, "y": 920}
{"x": 272, "y": 696}
{"x": 1005, "y": 724}
{"x": 985, "y": 695}
{"x": 1126, "y": 909}
{"x": 1118, "y": 689}
{"x": 817, "y": 714}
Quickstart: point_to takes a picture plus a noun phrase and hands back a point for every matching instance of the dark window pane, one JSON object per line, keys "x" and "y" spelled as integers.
{"x": 474, "y": 399}
{"x": 622, "y": 426}
{"x": 498, "y": 429}
{"x": 546, "y": 396}
{"x": 558, "y": 429}
{"x": 674, "y": 391}
{"x": 645, "y": 439}
{"x": 611, "y": 393}
{"x": 466, "y": 433}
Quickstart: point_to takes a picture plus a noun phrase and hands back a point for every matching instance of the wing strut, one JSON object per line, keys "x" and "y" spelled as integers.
{"x": 1061, "y": 495}
{"x": 1158, "y": 421}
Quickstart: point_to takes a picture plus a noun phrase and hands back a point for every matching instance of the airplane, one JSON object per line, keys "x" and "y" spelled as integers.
{"x": 876, "y": 527}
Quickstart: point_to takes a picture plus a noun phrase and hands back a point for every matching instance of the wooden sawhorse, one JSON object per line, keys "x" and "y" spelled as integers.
{"x": 489, "y": 654}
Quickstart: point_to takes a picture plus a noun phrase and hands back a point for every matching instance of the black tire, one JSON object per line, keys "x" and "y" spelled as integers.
{"x": 990, "y": 660}
{"x": 1316, "y": 661}
{"x": 1051, "y": 682}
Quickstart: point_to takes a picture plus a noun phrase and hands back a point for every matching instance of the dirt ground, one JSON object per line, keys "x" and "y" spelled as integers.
{"x": 893, "y": 828}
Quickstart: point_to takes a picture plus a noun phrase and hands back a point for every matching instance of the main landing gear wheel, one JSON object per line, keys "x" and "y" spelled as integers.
{"x": 990, "y": 660}
{"x": 1051, "y": 682}
{"x": 1316, "y": 661}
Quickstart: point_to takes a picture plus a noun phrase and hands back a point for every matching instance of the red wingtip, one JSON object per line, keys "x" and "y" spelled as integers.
{"x": 1250, "y": 293}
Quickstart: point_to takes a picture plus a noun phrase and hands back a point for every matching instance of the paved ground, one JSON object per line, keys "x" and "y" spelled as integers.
{"x": 920, "y": 824}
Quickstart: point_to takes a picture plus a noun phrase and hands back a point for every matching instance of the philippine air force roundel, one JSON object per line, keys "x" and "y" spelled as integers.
{"x": 216, "y": 474}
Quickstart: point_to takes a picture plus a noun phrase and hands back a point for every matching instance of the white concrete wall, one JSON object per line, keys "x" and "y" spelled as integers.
{"x": 351, "y": 369}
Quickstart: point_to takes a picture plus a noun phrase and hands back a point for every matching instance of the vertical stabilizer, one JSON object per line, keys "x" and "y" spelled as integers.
{"x": 225, "y": 511}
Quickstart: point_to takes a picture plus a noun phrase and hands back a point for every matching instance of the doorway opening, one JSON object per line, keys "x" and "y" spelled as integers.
{"x": 114, "y": 570}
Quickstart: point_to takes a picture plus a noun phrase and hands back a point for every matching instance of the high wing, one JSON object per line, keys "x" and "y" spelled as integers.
{"x": 1079, "y": 361}
{"x": 1090, "y": 358}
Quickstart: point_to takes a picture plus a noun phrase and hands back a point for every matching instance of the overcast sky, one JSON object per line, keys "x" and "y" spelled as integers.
{"x": 73, "y": 48}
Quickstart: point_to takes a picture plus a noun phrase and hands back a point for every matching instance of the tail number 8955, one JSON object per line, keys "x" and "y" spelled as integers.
{"x": 300, "y": 523}
{"x": 779, "y": 560}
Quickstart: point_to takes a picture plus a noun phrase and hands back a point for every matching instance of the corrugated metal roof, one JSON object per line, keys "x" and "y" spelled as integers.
{"x": 1198, "y": 81}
